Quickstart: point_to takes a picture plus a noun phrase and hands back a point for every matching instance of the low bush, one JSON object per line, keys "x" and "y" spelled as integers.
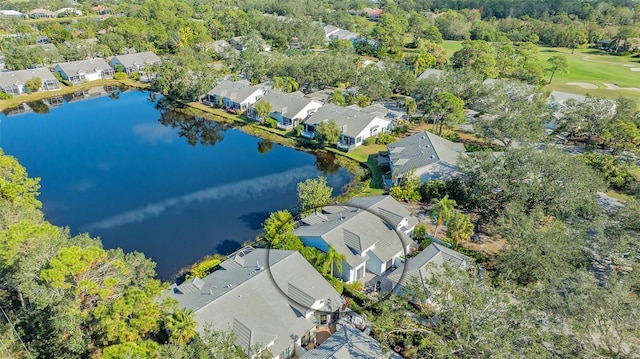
{"x": 204, "y": 267}
{"x": 5, "y": 96}
{"x": 270, "y": 122}
{"x": 451, "y": 136}
{"x": 385, "y": 139}
{"x": 369, "y": 141}
{"x": 135, "y": 76}
{"x": 120, "y": 76}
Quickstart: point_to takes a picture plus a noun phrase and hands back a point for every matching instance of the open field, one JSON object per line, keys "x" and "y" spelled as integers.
{"x": 590, "y": 66}
{"x": 591, "y": 72}
{"x": 451, "y": 46}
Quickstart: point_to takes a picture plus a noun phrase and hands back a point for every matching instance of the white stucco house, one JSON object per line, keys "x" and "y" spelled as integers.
{"x": 138, "y": 61}
{"x": 13, "y": 82}
{"x": 428, "y": 155}
{"x": 373, "y": 233}
{"x": 85, "y": 70}
{"x": 288, "y": 109}
{"x": 233, "y": 95}
{"x": 270, "y": 299}
{"x": 355, "y": 126}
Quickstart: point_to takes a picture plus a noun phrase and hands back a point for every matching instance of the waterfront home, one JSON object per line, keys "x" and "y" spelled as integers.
{"x": 270, "y": 299}
{"x": 232, "y": 95}
{"x": 78, "y": 72}
{"x": 355, "y": 126}
{"x": 349, "y": 342}
{"x": 428, "y": 155}
{"x": 11, "y": 13}
{"x": 421, "y": 268}
{"x": 41, "y": 14}
{"x": 288, "y": 109}
{"x": 136, "y": 62}
{"x": 372, "y": 233}
{"x": 13, "y": 82}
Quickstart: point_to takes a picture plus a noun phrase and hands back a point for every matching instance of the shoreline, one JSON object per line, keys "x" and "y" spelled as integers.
{"x": 354, "y": 166}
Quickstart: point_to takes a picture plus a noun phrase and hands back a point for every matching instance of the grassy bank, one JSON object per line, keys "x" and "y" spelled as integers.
{"x": 65, "y": 90}
{"x": 360, "y": 157}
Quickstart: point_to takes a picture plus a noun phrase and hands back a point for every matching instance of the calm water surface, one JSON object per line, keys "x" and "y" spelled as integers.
{"x": 174, "y": 187}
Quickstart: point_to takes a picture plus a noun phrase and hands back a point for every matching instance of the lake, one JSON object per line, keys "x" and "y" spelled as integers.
{"x": 143, "y": 178}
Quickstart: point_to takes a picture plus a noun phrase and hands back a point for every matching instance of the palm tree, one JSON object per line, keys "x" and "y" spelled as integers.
{"x": 333, "y": 258}
{"x": 290, "y": 84}
{"x": 263, "y": 109}
{"x": 181, "y": 326}
{"x": 279, "y": 83}
{"x": 442, "y": 211}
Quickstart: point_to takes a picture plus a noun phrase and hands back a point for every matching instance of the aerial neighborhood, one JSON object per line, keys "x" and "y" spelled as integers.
{"x": 490, "y": 211}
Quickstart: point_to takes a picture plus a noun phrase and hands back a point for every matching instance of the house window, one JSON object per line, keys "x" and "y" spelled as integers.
{"x": 286, "y": 354}
{"x": 306, "y": 339}
{"x": 360, "y": 273}
{"x": 389, "y": 264}
{"x": 358, "y": 139}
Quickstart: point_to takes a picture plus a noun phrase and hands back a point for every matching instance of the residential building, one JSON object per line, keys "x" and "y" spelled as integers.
{"x": 288, "y": 109}
{"x": 372, "y": 233}
{"x": 232, "y": 95}
{"x": 11, "y": 13}
{"x": 242, "y": 43}
{"x": 220, "y": 47}
{"x": 355, "y": 126}
{"x": 85, "y": 70}
{"x": 68, "y": 11}
{"x": 41, "y": 14}
{"x": 335, "y": 33}
{"x": 349, "y": 342}
{"x": 13, "y": 82}
{"x": 372, "y": 14}
{"x": 428, "y": 155}
{"x": 270, "y": 299}
{"x": 425, "y": 265}
{"x": 430, "y": 73}
{"x": 137, "y": 62}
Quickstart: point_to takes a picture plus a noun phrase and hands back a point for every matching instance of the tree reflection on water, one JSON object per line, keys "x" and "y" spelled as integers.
{"x": 196, "y": 130}
{"x": 326, "y": 163}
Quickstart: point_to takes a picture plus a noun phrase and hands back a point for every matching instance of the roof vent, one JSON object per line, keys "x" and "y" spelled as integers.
{"x": 427, "y": 146}
{"x": 432, "y": 156}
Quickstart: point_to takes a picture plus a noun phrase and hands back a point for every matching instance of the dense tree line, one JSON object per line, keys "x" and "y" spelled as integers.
{"x": 67, "y": 296}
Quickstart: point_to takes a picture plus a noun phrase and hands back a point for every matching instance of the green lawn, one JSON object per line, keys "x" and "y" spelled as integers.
{"x": 451, "y": 46}
{"x": 597, "y": 68}
{"x": 589, "y": 66}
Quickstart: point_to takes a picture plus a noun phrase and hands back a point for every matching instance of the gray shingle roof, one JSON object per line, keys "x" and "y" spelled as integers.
{"x": 84, "y": 66}
{"x": 235, "y": 91}
{"x": 21, "y": 76}
{"x": 386, "y": 207}
{"x": 349, "y": 343}
{"x": 352, "y": 122}
{"x": 422, "y": 150}
{"x": 562, "y": 97}
{"x": 351, "y": 230}
{"x": 289, "y": 105}
{"x": 418, "y": 267}
{"x": 251, "y": 297}
{"x": 138, "y": 59}
{"x": 430, "y": 72}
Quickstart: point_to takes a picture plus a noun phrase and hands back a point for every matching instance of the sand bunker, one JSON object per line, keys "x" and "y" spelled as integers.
{"x": 635, "y": 69}
{"x": 615, "y": 87}
{"x": 584, "y": 85}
